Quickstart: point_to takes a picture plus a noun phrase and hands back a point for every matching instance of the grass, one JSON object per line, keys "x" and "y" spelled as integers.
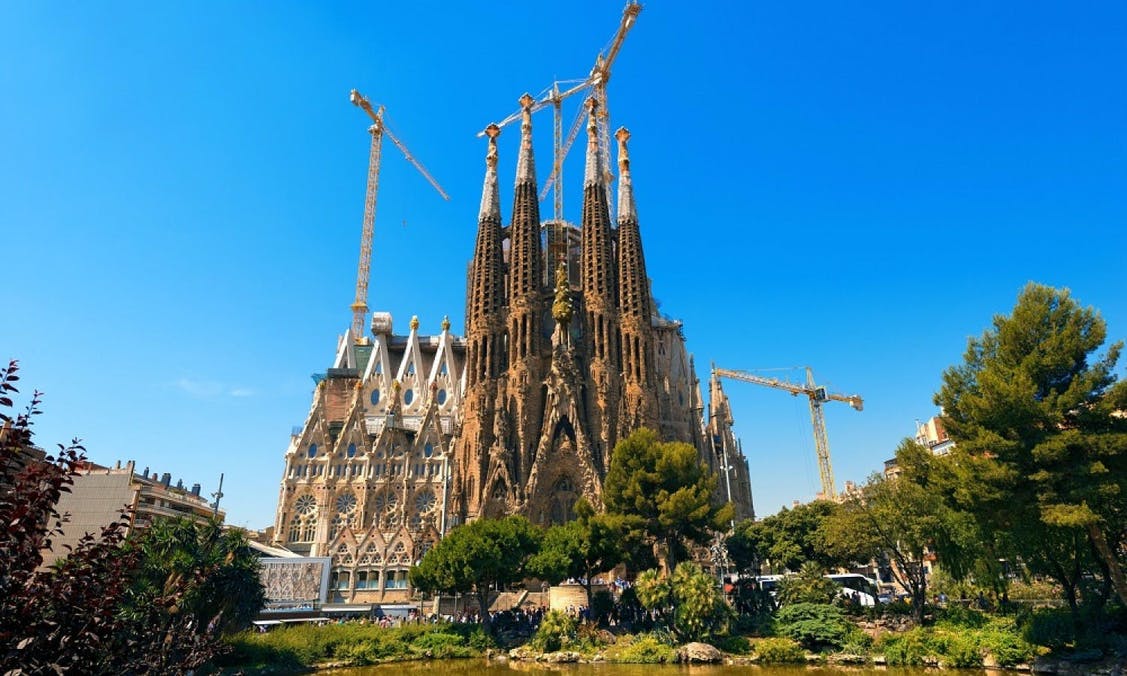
{"x": 293, "y": 647}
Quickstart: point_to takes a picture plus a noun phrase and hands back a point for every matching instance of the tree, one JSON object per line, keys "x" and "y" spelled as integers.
{"x": 667, "y": 486}
{"x": 1038, "y": 414}
{"x": 689, "y": 600}
{"x": 788, "y": 540}
{"x": 810, "y": 585}
{"x": 477, "y": 556}
{"x": 58, "y": 618}
{"x": 592, "y": 543}
{"x": 748, "y": 546}
{"x": 194, "y": 581}
{"x": 112, "y": 605}
{"x": 902, "y": 519}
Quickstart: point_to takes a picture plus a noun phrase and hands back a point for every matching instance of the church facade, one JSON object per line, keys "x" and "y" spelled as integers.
{"x": 564, "y": 355}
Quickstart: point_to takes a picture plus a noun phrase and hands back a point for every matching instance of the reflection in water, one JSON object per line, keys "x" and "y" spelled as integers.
{"x": 472, "y": 667}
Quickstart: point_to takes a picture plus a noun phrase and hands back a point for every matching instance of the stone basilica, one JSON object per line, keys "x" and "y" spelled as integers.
{"x": 564, "y": 355}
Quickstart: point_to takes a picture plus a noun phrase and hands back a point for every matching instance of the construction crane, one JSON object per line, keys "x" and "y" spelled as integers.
{"x": 596, "y": 81}
{"x": 818, "y": 396}
{"x": 364, "y": 269}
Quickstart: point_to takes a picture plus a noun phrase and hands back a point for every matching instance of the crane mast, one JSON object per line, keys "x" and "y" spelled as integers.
{"x": 359, "y": 306}
{"x": 817, "y": 396}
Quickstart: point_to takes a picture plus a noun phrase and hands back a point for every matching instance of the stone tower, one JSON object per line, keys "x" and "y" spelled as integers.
{"x": 586, "y": 357}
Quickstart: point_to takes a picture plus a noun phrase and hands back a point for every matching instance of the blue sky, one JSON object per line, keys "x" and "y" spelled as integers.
{"x": 855, "y": 188}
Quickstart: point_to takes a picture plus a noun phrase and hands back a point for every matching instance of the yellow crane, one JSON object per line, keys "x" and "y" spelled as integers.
{"x": 364, "y": 269}
{"x": 818, "y": 396}
{"x": 596, "y": 81}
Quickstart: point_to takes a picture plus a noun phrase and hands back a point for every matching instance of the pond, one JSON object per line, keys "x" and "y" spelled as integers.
{"x": 471, "y": 667}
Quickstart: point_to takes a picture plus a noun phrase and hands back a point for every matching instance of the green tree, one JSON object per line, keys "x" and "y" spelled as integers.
{"x": 748, "y": 546}
{"x": 902, "y": 519}
{"x": 592, "y": 543}
{"x": 195, "y": 581}
{"x": 111, "y": 605}
{"x": 667, "y": 486}
{"x": 810, "y": 585}
{"x": 1037, "y": 414}
{"x": 689, "y": 601}
{"x": 796, "y": 536}
{"x": 477, "y": 557}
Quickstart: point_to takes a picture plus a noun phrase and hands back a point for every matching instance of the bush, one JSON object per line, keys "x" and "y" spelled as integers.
{"x": 556, "y": 630}
{"x": 441, "y": 646}
{"x": 808, "y": 586}
{"x": 817, "y": 626}
{"x": 1050, "y": 627}
{"x": 960, "y": 617}
{"x": 1006, "y": 646}
{"x": 737, "y": 645}
{"x": 356, "y": 644}
{"x": 642, "y": 649}
{"x": 779, "y": 651}
{"x": 962, "y": 651}
{"x": 759, "y": 624}
{"x": 959, "y": 647}
{"x": 907, "y": 649}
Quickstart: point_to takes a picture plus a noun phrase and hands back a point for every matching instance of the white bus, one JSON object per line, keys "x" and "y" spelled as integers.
{"x": 861, "y": 589}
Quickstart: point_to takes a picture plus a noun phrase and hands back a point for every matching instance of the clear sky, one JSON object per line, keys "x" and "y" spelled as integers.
{"x": 858, "y": 188}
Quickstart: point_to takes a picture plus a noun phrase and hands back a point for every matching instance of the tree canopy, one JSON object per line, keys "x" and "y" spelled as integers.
{"x": 1037, "y": 417}
{"x": 667, "y": 486}
{"x": 475, "y": 557}
{"x": 789, "y": 539}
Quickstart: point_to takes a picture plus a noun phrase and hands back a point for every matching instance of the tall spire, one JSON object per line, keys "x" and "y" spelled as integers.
{"x": 525, "y": 265}
{"x": 487, "y": 278}
{"x": 634, "y": 304}
{"x": 490, "y": 194}
{"x": 597, "y": 266}
{"x": 633, "y": 282}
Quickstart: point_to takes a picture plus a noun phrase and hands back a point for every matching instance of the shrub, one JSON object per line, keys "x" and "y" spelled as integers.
{"x": 737, "y": 645}
{"x": 959, "y": 617}
{"x": 1006, "y": 646}
{"x": 642, "y": 649}
{"x": 816, "y": 626}
{"x": 907, "y": 649}
{"x": 441, "y": 645}
{"x": 1050, "y": 627}
{"x": 759, "y": 624}
{"x": 808, "y": 586}
{"x": 556, "y": 630}
{"x": 962, "y": 651}
{"x": 779, "y": 651}
{"x": 354, "y": 643}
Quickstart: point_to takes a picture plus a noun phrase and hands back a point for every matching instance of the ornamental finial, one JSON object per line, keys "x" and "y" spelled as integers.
{"x": 561, "y": 307}
{"x": 415, "y": 323}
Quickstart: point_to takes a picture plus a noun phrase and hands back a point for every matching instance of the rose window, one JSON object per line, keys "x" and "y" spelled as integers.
{"x": 346, "y": 503}
{"x": 305, "y": 505}
{"x": 425, "y": 501}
